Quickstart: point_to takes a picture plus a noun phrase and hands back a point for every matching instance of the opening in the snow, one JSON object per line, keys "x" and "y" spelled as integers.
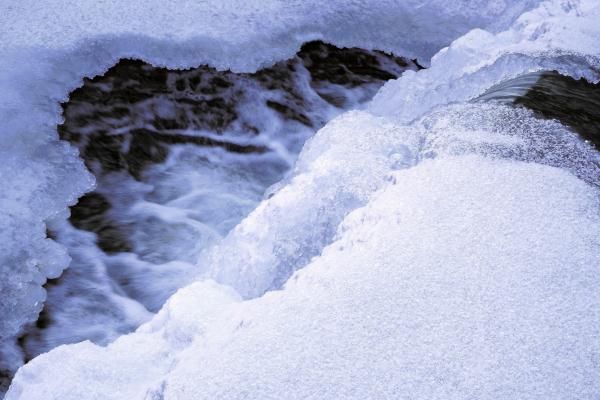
{"x": 180, "y": 157}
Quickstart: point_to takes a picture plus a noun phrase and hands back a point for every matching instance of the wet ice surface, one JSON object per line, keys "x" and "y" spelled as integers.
{"x": 180, "y": 157}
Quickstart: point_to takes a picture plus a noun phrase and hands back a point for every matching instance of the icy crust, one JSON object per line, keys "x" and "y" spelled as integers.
{"x": 468, "y": 274}
{"x": 47, "y": 50}
{"x": 244, "y": 35}
{"x": 558, "y": 35}
{"x": 40, "y": 178}
{"x": 32, "y": 193}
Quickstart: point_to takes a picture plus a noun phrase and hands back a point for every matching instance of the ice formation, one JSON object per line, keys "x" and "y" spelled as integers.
{"x": 436, "y": 245}
{"x": 180, "y": 157}
{"x": 47, "y": 50}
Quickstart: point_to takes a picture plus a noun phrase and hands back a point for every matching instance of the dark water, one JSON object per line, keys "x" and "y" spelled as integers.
{"x": 550, "y": 95}
{"x": 575, "y": 103}
{"x": 129, "y": 118}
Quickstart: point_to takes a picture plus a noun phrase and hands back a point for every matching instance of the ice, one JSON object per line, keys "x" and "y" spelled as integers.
{"x": 469, "y": 274}
{"x": 429, "y": 247}
{"x": 48, "y": 49}
{"x": 243, "y": 35}
{"x": 32, "y": 193}
{"x": 180, "y": 158}
{"x": 300, "y": 218}
{"x": 555, "y": 36}
{"x": 347, "y": 161}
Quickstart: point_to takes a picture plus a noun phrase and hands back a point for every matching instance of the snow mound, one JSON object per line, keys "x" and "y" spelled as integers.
{"x": 425, "y": 298}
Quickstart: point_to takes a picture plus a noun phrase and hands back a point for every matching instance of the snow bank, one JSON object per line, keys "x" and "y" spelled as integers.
{"x": 449, "y": 251}
{"x": 243, "y": 35}
{"x": 424, "y": 298}
{"x": 47, "y": 50}
{"x": 465, "y": 275}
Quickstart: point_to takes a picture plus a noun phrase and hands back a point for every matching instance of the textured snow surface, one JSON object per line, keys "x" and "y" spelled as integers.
{"x": 243, "y": 34}
{"x": 559, "y": 35}
{"x": 435, "y": 251}
{"x": 47, "y": 49}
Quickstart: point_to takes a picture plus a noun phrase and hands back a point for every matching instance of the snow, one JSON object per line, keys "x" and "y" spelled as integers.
{"x": 555, "y": 36}
{"x": 48, "y": 49}
{"x": 415, "y": 299}
{"x": 426, "y": 247}
{"x": 243, "y": 35}
{"x": 419, "y": 296}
